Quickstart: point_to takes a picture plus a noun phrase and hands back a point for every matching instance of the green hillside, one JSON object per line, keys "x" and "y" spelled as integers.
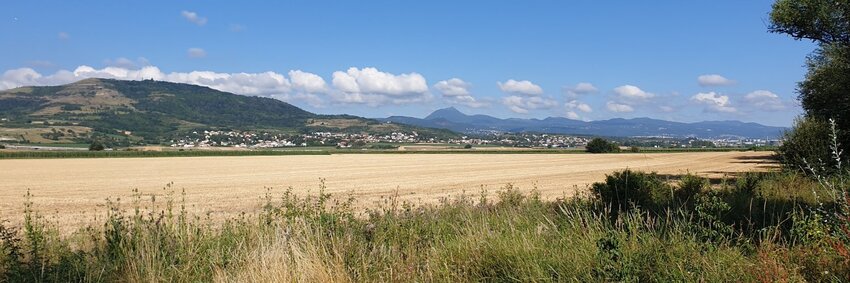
{"x": 149, "y": 111}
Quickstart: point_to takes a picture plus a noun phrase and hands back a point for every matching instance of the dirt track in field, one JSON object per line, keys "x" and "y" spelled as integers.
{"x": 72, "y": 191}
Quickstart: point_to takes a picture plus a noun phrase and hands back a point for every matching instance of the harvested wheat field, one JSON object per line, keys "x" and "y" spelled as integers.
{"x": 72, "y": 191}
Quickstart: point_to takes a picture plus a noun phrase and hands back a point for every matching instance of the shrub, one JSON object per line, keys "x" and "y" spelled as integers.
{"x": 467, "y": 146}
{"x": 710, "y": 210}
{"x": 96, "y": 146}
{"x": 599, "y": 145}
{"x": 689, "y": 189}
{"x": 807, "y": 144}
{"x": 634, "y": 149}
{"x": 623, "y": 190}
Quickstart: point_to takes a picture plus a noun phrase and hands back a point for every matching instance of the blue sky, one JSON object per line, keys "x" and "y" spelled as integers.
{"x": 586, "y": 60}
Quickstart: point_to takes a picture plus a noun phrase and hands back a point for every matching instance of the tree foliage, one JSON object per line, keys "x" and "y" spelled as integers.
{"x": 822, "y": 21}
{"x": 599, "y": 145}
{"x": 825, "y": 91}
{"x": 806, "y": 145}
{"x": 96, "y": 146}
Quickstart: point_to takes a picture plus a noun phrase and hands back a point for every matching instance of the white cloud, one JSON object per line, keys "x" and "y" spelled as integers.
{"x": 373, "y": 81}
{"x": 714, "y": 102}
{"x": 457, "y": 91}
{"x": 580, "y": 89}
{"x": 307, "y": 82}
{"x": 453, "y": 87}
{"x": 520, "y": 87}
{"x": 666, "y": 109}
{"x": 522, "y": 104}
{"x": 714, "y": 80}
{"x": 194, "y": 18}
{"x": 264, "y": 84}
{"x": 372, "y": 87}
{"x": 195, "y": 52}
{"x": 618, "y": 107}
{"x": 573, "y": 115}
{"x": 578, "y": 105}
{"x": 764, "y": 100}
{"x": 63, "y": 36}
{"x": 632, "y": 93}
{"x": 468, "y": 101}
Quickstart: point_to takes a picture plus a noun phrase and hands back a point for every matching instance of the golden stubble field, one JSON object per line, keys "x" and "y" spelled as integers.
{"x": 72, "y": 191}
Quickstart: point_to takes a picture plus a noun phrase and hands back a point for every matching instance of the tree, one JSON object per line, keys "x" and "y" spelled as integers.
{"x": 825, "y": 91}
{"x": 806, "y": 145}
{"x": 96, "y": 146}
{"x": 822, "y": 21}
{"x": 598, "y": 145}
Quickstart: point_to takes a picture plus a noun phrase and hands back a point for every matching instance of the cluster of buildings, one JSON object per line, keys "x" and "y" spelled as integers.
{"x": 525, "y": 140}
{"x": 247, "y": 139}
{"x": 742, "y": 142}
{"x": 271, "y": 140}
{"x": 235, "y": 139}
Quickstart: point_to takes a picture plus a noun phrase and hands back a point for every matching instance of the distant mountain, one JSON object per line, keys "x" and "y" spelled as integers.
{"x": 153, "y": 110}
{"x": 452, "y": 119}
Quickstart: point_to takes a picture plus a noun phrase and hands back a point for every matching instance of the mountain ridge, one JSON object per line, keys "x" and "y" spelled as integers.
{"x": 156, "y": 110}
{"x": 453, "y": 119}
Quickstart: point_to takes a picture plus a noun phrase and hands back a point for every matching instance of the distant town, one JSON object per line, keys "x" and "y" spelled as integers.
{"x": 250, "y": 139}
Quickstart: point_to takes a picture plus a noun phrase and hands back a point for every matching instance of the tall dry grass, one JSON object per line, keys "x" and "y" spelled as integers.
{"x": 747, "y": 230}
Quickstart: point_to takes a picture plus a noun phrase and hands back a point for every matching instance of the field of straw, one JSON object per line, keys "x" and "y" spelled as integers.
{"x": 72, "y": 191}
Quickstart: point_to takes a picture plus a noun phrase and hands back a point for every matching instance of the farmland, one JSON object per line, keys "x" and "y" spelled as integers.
{"x": 70, "y": 191}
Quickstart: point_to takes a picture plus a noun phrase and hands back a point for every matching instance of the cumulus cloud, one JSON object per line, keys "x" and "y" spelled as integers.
{"x": 195, "y": 52}
{"x": 457, "y": 91}
{"x": 632, "y": 93}
{"x": 764, "y": 100}
{"x": 618, "y": 107}
{"x": 520, "y": 87}
{"x": 578, "y": 105}
{"x": 194, "y": 18}
{"x": 580, "y": 89}
{"x": 373, "y": 81}
{"x": 367, "y": 86}
{"x": 575, "y": 105}
{"x": 714, "y": 80}
{"x": 264, "y": 84}
{"x": 307, "y": 82}
{"x": 453, "y": 87}
{"x": 714, "y": 102}
{"x": 522, "y": 104}
{"x": 373, "y": 87}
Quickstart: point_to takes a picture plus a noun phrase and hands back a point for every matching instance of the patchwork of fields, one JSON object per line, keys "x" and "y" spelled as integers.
{"x": 73, "y": 191}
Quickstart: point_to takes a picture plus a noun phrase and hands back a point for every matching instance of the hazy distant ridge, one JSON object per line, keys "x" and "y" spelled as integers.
{"x": 452, "y": 119}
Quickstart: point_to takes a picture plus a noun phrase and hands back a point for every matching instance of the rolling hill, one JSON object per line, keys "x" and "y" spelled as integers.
{"x": 452, "y": 119}
{"x": 153, "y": 110}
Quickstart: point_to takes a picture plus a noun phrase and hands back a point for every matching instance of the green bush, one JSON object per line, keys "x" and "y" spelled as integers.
{"x": 599, "y": 145}
{"x": 690, "y": 187}
{"x": 807, "y": 144}
{"x": 96, "y": 146}
{"x": 628, "y": 189}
